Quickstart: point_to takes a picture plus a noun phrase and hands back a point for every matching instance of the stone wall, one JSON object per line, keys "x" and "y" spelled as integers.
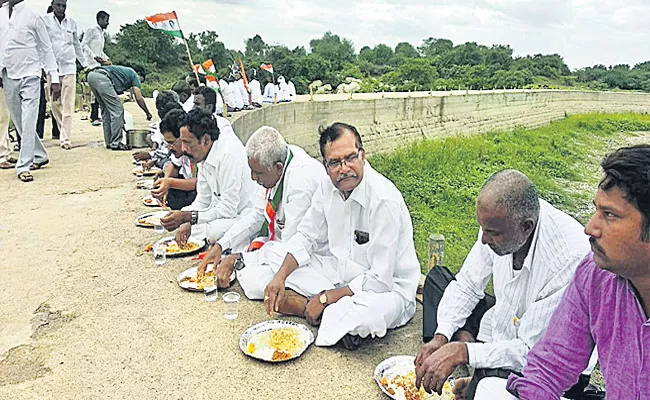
{"x": 389, "y": 123}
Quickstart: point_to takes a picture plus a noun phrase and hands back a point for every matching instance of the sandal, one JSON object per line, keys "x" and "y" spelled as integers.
{"x": 351, "y": 342}
{"x": 25, "y": 176}
{"x": 12, "y": 160}
{"x": 6, "y": 165}
{"x": 39, "y": 165}
{"x": 121, "y": 147}
{"x": 66, "y": 146}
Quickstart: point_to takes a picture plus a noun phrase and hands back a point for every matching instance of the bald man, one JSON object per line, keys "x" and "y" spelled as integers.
{"x": 531, "y": 251}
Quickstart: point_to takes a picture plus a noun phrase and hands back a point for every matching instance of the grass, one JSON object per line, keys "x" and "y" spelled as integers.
{"x": 440, "y": 179}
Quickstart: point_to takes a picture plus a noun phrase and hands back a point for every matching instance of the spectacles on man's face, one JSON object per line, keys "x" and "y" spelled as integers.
{"x": 334, "y": 165}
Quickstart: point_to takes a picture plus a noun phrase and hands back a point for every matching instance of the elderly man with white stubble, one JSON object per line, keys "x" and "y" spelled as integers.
{"x": 290, "y": 177}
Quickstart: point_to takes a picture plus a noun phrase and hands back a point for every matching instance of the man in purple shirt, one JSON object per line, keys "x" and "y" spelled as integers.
{"x": 607, "y": 304}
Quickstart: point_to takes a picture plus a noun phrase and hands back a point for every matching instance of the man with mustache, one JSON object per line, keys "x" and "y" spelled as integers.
{"x": 530, "y": 250}
{"x": 224, "y": 189}
{"x": 290, "y": 177}
{"x": 607, "y": 304}
{"x": 351, "y": 267}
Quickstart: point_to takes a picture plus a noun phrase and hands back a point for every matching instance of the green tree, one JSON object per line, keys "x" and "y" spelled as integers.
{"x": 406, "y": 50}
{"x": 255, "y": 47}
{"x": 333, "y": 49}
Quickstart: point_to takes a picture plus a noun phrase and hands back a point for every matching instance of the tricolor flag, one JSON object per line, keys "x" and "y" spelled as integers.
{"x": 168, "y": 23}
{"x": 209, "y": 66}
{"x": 199, "y": 69}
{"x": 267, "y": 67}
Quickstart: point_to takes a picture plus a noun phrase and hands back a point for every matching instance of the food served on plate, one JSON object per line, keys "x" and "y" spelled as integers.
{"x": 207, "y": 280}
{"x": 173, "y": 247}
{"x": 276, "y": 344}
{"x": 144, "y": 184}
{"x": 146, "y": 172}
{"x": 403, "y": 387}
{"x": 150, "y": 220}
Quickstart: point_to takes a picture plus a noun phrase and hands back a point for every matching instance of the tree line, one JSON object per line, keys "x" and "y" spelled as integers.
{"x": 436, "y": 64}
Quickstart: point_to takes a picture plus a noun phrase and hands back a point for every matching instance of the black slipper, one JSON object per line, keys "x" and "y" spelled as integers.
{"x": 121, "y": 147}
{"x": 351, "y": 342}
{"x": 25, "y": 176}
{"x": 39, "y": 165}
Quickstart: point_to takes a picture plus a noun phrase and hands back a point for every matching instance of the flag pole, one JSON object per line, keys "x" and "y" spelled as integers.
{"x": 187, "y": 47}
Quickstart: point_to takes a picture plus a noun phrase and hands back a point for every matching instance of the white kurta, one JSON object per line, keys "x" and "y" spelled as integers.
{"x": 224, "y": 187}
{"x": 302, "y": 177}
{"x": 93, "y": 45}
{"x": 269, "y": 93}
{"x": 525, "y": 300}
{"x": 255, "y": 89}
{"x": 382, "y": 272}
{"x": 227, "y": 93}
{"x": 243, "y": 92}
{"x": 238, "y": 102}
{"x": 65, "y": 43}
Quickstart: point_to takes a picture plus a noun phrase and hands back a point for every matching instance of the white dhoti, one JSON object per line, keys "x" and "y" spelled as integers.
{"x": 364, "y": 314}
{"x": 493, "y": 388}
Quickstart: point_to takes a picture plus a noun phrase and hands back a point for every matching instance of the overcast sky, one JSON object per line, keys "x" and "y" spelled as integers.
{"x": 584, "y": 32}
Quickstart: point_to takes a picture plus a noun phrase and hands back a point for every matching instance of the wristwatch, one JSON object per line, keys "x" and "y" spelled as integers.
{"x": 194, "y": 217}
{"x": 239, "y": 262}
{"x": 323, "y": 299}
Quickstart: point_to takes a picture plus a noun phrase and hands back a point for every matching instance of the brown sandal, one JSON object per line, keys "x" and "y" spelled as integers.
{"x": 6, "y": 165}
{"x": 25, "y": 176}
{"x": 39, "y": 165}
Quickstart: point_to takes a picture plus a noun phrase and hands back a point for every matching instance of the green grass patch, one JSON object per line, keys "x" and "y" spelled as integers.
{"x": 440, "y": 179}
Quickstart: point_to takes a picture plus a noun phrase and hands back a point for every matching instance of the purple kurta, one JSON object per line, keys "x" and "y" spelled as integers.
{"x": 598, "y": 308}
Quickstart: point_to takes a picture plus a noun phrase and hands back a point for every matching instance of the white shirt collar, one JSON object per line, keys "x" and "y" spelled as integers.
{"x": 358, "y": 193}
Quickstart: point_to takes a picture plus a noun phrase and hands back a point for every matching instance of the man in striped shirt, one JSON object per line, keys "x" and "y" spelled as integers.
{"x": 530, "y": 250}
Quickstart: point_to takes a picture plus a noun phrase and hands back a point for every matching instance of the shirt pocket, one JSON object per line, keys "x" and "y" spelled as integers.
{"x": 360, "y": 246}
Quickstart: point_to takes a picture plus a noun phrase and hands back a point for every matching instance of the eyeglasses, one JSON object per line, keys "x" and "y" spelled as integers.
{"x": 334, "y": 165}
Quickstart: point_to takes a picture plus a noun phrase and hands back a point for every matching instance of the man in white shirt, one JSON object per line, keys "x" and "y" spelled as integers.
{"x": 351, "y": 267}
{"x": 228, "y": 95}
{"x": 67, "y": 49}
{"x": 25, "y": 49}
{"x": 185, "y": 96}
{"x": 243, "y": 92}
{"x": 5, "y": 144}
{"x": 93, "y": 46}
{"x": 290, "y": 177}
{"x": 531, "y": 251}
{"x": 270, "y": 91}
{"x": 237, "y": 100}
{"x": 224, "y": 188}
{"x": 255, "y": 89}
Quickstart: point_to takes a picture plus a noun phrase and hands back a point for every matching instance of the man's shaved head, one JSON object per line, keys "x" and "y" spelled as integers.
{"x": 514, "y": 191}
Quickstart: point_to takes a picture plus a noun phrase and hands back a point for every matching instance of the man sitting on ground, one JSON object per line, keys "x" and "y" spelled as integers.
{"x": 177, "y": 187}
{"x": 531, "y": 251}
{"x": 107, "y": 83}
{"x": 290, "y": 177}
{"x": 165, "y": 102}
{"x": 607, "y": 303}
{"x": 224, "y": 188}
{"x": 351, "y": 267}
{"x": 207, "y": 100}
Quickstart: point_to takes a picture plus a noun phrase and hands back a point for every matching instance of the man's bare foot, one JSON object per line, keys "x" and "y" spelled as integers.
{"x": 460, "y": 387}
{"x": 463, "y": 336}
{"x": 293, "y": 304}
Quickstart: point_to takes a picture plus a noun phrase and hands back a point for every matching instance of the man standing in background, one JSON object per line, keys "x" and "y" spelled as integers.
{"x": 93, "y": 46}
{"x": 26, "y": 49}
{"x": 5, "y": 150}
{"x": 67, "y": 49}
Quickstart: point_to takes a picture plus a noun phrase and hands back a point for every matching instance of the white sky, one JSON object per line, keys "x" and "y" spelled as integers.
{"x": 584, "y": 32}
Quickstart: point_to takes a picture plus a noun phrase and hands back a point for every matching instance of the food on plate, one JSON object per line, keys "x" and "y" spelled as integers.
{"x": 403, "y": 387}
{"x": 207, "y": 280}
{"x": 276, "y": 344}
{"x": 149, "y": 200}
{"x": 173, "y": 247}
{"x": 148, "y": 221}
{"x": 148, "y": 248}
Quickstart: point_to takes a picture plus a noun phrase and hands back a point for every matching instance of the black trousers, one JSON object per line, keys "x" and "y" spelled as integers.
{"x": 434, "y": 287}
{"x": 40, "y": 122}
{"x": 177, "y": 199}
{"x": 94, "y": 111}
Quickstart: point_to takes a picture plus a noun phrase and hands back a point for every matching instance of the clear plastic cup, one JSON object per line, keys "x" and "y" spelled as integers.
{"x": 211, "y": 293}
{"x": 159, "y": 254}
{"x": 231, "y": 302}
{"x": 157, "y": 226}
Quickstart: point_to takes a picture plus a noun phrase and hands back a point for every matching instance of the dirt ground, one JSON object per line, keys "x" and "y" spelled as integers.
{"x": 87, "y": 315}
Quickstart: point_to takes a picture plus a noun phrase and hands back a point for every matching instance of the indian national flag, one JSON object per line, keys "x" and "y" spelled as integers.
{"x": 267, "y": 67}
{"x": 168, "y": 23}
{"x": 209, "y": 66}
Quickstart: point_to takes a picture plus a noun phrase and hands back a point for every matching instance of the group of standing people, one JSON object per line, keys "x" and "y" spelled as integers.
{"x": 34, "y": 46}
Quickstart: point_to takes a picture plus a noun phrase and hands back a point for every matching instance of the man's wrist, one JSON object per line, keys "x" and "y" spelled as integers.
{"x": 462, "y": 353}
{"x": 441, "y": 337}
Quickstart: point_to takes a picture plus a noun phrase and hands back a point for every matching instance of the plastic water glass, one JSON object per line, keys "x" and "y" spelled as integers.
{"x": 231, "y": 303}
{"x": 159, "y": 254}
{"x": 211, "y": 292}
{"x": 157, "y": 226}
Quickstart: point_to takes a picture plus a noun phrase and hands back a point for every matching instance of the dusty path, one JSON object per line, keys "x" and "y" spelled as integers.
{"x": 85, "y": 314}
